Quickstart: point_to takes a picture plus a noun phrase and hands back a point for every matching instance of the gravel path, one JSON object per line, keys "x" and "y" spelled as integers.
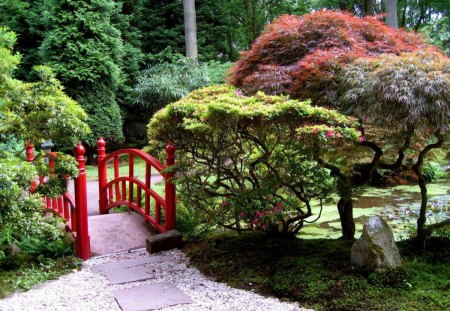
{"x": 86, "y": 290}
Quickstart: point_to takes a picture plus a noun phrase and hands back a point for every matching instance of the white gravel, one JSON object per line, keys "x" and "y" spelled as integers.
{"x": 85, "y": 290}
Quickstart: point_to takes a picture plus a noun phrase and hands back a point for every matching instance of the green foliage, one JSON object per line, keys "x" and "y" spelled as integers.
{"x": 85, "y": 50}
{"x": 438, "y": 32}
{"x": 65, "y": 168}
{"x": 166, "y": 82}
{"x": 32, "y": 111}
{"x": 21, "y": 217}
{"x": 163, "y": 26}
{"x": 33, "y": 271}
{"x": 190, "y": 223}
{"x": 106, "y": 122}
{"x": 35, "y": 111}
{"x": 24, "y": 18}
{"x": 128, "y": 21}
{"x": 240, "y": 160}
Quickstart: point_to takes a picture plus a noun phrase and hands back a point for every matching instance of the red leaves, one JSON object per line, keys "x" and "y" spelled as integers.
{"x": 302, "y": 55}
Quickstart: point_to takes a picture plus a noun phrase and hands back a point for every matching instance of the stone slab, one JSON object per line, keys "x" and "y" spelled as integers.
{"x": 123, "y": 264}
{"x": 133, "y": 274}
{"x": 150, "y": 297}
{"x": 112, "y": 233}
{"x": 164, "y": 241}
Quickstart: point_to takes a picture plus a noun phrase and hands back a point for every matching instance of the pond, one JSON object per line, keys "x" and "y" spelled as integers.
{"x": 398, "y": 205}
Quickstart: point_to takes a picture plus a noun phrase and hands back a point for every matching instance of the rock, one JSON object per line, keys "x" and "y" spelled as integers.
{"x": 164, "y": 241}
{"x": 13, "y": 249}
{"x": 376, "y": 248}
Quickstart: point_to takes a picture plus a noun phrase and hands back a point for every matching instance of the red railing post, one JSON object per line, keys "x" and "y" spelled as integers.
{"x": 102, "y": 178}
{"x": 170, "y": 189}
{"x": 29, "y": 151}
{"x": 83, "y": 241}
{"x": 30, "y": 158}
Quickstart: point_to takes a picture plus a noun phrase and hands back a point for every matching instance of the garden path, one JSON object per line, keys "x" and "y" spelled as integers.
{"x": 128, "y": 278}
{"x": 138, "y": 281}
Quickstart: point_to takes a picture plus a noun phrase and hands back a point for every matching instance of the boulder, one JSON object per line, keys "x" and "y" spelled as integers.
{"x": 376, "y": 248}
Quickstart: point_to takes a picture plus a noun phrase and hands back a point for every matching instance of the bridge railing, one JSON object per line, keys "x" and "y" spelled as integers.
{"x": 128, "y": 190}
{"x": 72, "y": 210}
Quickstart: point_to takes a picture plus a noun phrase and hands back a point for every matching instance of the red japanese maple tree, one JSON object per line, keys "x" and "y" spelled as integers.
{"x": 302, "y": 55}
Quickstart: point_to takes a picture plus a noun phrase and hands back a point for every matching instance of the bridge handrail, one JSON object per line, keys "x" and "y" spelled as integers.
{"x": 124, "y": 193}
{"x": 141, "y": 154}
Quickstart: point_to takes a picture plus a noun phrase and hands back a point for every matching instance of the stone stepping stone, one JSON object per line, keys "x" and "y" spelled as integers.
{"x": 124, "y": 264}
{"x": 133, "y": 274}
{"x": 150, "y": 297}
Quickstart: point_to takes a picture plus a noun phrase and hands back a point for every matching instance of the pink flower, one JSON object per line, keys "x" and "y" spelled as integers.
{"x": 315, "y": 130}
{"x": 259, "y": 214}
{"x": 277, "y": 208}
{"x": 224, "y": 203}
{"x": 361, "y": 139}
{"x": 242, "y": 214}
{"x": 329, "y": 134}
{"x": 264, "y": 227}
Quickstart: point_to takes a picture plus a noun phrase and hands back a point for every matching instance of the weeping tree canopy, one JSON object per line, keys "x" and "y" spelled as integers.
{"x": 302, "y": 55}
{"x": 408, "y": 93}
{"x": 408, "y": 90}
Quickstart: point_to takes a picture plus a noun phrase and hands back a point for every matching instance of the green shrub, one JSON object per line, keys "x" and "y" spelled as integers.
{"x": 166, "y": 82}
{"x": 240, "y": 160}
{"x": 191, "y": 224}
{"x": 22, "y": 222}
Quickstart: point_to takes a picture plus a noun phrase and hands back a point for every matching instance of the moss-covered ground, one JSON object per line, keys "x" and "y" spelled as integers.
{"x": 318, "y": 274}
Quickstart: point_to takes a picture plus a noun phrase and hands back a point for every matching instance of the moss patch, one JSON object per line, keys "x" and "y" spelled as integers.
{"x": 317, "y": 272}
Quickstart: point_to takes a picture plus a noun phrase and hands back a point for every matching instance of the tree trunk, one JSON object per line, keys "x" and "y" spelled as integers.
{"x": 190, "y": 28}
{"x": 390, "y": 7}
{"x": 345, "y": 208}
{"x": 403, "y": 14}
{"x": 369, "y": 7}
{"x": 421, "y": 229}
{"x": 342, "y": 5}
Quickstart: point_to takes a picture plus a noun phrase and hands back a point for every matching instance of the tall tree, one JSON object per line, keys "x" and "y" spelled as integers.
{"x": 190, "y": 28}
{"x": 390, "y": 7}
{"x": 163, "y": 26}
{"x": 128, "y": 20}
{"x": 85, "y": 50}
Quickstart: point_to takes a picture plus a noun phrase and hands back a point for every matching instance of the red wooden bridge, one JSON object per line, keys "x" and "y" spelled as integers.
{"x": 116, "y": 191}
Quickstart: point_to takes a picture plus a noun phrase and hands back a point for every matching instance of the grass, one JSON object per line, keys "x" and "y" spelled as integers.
{"x": 317, "y": 272}
{"x": 24, "y": 273}
{"x": 139, "y": 169}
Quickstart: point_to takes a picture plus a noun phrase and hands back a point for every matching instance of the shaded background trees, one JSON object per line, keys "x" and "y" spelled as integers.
{"x": 132, "y": 33}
